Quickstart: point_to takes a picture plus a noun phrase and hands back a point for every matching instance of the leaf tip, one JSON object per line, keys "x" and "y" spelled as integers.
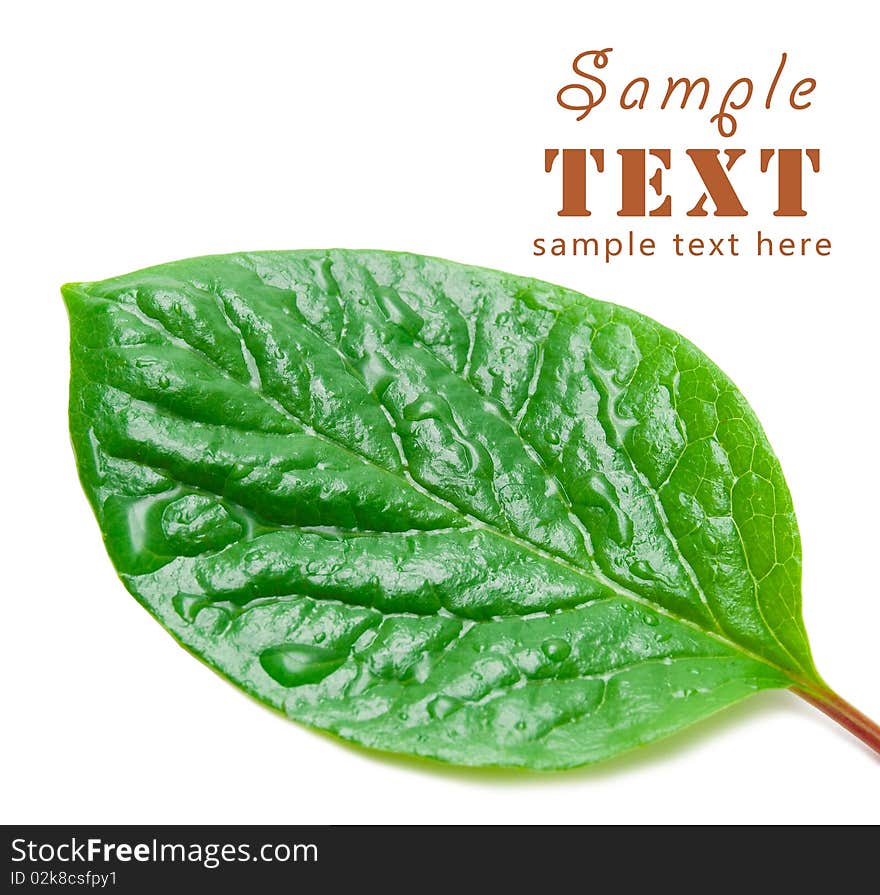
{"x": 71, "y": 291}
{"x": 68, "y": 290}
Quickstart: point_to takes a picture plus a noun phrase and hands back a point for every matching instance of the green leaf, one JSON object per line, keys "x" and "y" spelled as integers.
{"x": 432, "y": 508}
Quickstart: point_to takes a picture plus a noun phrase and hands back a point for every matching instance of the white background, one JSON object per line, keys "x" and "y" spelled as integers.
{"x": 140, "y": 133}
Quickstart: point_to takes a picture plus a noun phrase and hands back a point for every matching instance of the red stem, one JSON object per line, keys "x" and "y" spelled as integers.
{"x": 845, "y": 715}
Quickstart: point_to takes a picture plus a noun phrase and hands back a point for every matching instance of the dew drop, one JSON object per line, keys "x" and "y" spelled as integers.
{"x": 398, "y": 311}
{"x": 187, "y": 606}
{"x": 684, "y": 694}
{"x": 442, "y": 707}
{"x": 556, "y": 649}
{"x": 650, "y": 619}
{"x": 293, "y": 664}
{"x": 425, "y": 407}
{"x": 377, "y": 373}
{"x": 643, "y": 570}
{"x": 211, "y": 619}
{"x": 240, "y": 471}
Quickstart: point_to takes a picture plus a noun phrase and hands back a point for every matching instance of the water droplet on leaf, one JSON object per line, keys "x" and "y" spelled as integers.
{"x": 442, "y": 706}
{"x": 293, "y": 664}
{"x": 643, "y": 570}
{"x": 556, "y": 649}
{"x": 398, "y": 311}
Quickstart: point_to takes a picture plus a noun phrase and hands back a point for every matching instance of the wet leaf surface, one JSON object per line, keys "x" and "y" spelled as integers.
{"x": 432, "y": 508}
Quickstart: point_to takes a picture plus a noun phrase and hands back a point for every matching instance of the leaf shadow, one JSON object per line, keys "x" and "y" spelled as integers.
{"x": 692, "y": 737}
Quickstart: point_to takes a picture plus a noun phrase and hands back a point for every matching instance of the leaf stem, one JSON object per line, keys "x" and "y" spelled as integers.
{"x": 845, "y": 715}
